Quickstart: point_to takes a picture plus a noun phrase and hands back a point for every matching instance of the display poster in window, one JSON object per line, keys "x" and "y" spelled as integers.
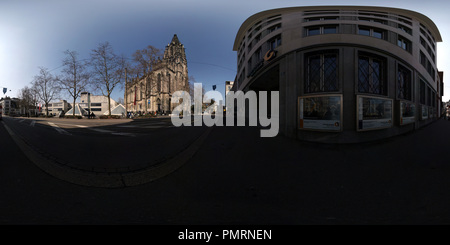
{"x": 374, "y": 113}
{"x": 431, "y": 112}
{"x": 424, "y": 112}
{"x": 321, "y": 113}
{"x": 407, "y": 113}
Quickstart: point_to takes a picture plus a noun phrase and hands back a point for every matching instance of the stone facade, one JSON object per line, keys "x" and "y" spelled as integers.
{"x": 153, "y": 91}
{"x": 345, "y": 74}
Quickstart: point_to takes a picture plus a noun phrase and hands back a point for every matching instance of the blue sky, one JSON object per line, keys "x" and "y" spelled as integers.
{"x": 36, "y": 33}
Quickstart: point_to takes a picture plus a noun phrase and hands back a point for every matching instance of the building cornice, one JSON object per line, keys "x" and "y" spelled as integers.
{"x": 264, "y": 14}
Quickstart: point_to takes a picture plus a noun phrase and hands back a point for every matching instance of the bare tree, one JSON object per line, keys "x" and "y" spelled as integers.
{"x": 26, "y": 99}
{"x": 34, "y": 97}
{"x": 75, "y": 76}
{"x": 146, "y": 60}
{"x": 120, "y": 101}
{"x": 46, "y": 86}
{"x": 193, "y": 89}
{"x": 108, "y": 70}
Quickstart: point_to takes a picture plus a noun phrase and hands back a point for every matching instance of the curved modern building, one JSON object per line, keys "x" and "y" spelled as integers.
{"x": 344, "y": 73}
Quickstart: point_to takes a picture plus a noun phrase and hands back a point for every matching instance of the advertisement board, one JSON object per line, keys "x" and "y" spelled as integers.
{"x": 407, "y": 112}
{"x": 320, "y": 113}
{"x": 373, "y": 113}
{"x": 424, "y": 115}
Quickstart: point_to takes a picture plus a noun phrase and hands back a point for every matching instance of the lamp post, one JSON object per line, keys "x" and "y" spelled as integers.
{"x": 126, "y": 90}
{"x": 89, "y": 104}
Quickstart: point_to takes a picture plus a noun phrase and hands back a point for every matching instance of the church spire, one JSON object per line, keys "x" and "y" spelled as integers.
{"x": 175, "y": 39}
{"x": 174, "y": 51}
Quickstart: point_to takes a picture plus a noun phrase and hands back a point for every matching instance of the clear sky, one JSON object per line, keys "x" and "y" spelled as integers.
{"x": 36, "y": 33}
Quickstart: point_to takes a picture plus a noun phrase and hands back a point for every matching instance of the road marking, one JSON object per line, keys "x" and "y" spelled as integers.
{"x": 101, "y": 130}
{"x": 156, "y": 123}
{"x": 127, "y": 126}
{"x": 125, "y": 134}
{"x": 57, "y": 128}
{"x": 107, "y": 131}
{"x": 153, "y": 127}
{"x": 32, "y": 123}
{"x": 22, "y": 120}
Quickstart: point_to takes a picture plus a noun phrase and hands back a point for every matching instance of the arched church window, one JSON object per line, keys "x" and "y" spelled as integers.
{"x": 170, "y": 82}
{"x": 158, "y": 84}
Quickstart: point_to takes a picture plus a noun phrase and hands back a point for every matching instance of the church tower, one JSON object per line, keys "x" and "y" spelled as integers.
{"x": 153, "y": 92}
{"x": 175, "y": 60}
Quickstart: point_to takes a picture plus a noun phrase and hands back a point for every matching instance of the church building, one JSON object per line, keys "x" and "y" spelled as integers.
{"x": 153, "y": 91}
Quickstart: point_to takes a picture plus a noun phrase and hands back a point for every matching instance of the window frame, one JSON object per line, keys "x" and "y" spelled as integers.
{"x": 321, "y": 29}
{"x": 275, "y": 42}
{"x": 322, "y": 54}
{"x": 422, "y": 91}
{"x": 383, "y": 83}
{"x": 322, "y": 18}
{"x": 372, "y": 31}
{"x": 405, "y": 29}
{"x": 406, "y": 44}
{"x": 410, "y": 93}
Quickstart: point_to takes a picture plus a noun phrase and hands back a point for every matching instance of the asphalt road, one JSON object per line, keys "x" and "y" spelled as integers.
{"x": 105, "y": 146}
{"x": 236, "y": 177}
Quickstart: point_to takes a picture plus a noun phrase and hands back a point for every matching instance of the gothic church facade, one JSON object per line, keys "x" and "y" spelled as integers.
{"x": 153, "y": 92}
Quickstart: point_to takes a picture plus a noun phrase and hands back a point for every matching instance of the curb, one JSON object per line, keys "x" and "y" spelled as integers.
{"x": 108, "y": 180}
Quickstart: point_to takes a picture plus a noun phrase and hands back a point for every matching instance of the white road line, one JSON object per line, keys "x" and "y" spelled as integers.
{"x": 32, "y": 123}
{"x": 152, "y": 125}
{"x": 125, "y": 134}
{"x": 93, "y": 129}
{"x": 22, "y": 120}
{"x": 101, "y": 130}
{"x": 109, "y": 131}
{"x": 57, "y": 128}
{"x": 127, "y": 126}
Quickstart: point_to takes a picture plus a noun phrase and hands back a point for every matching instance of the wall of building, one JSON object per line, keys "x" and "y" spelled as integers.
{"x": 55, "y": 108}
{"x": 99, "y": 103}
{"x": 387, "y": 37}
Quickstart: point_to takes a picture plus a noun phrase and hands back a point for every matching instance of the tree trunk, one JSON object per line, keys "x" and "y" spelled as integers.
{"x": 73, "y": 107}
{"x": 146, "y": 98}
{"x": 75, "y": 91}
{"x": 109, "y": 103}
